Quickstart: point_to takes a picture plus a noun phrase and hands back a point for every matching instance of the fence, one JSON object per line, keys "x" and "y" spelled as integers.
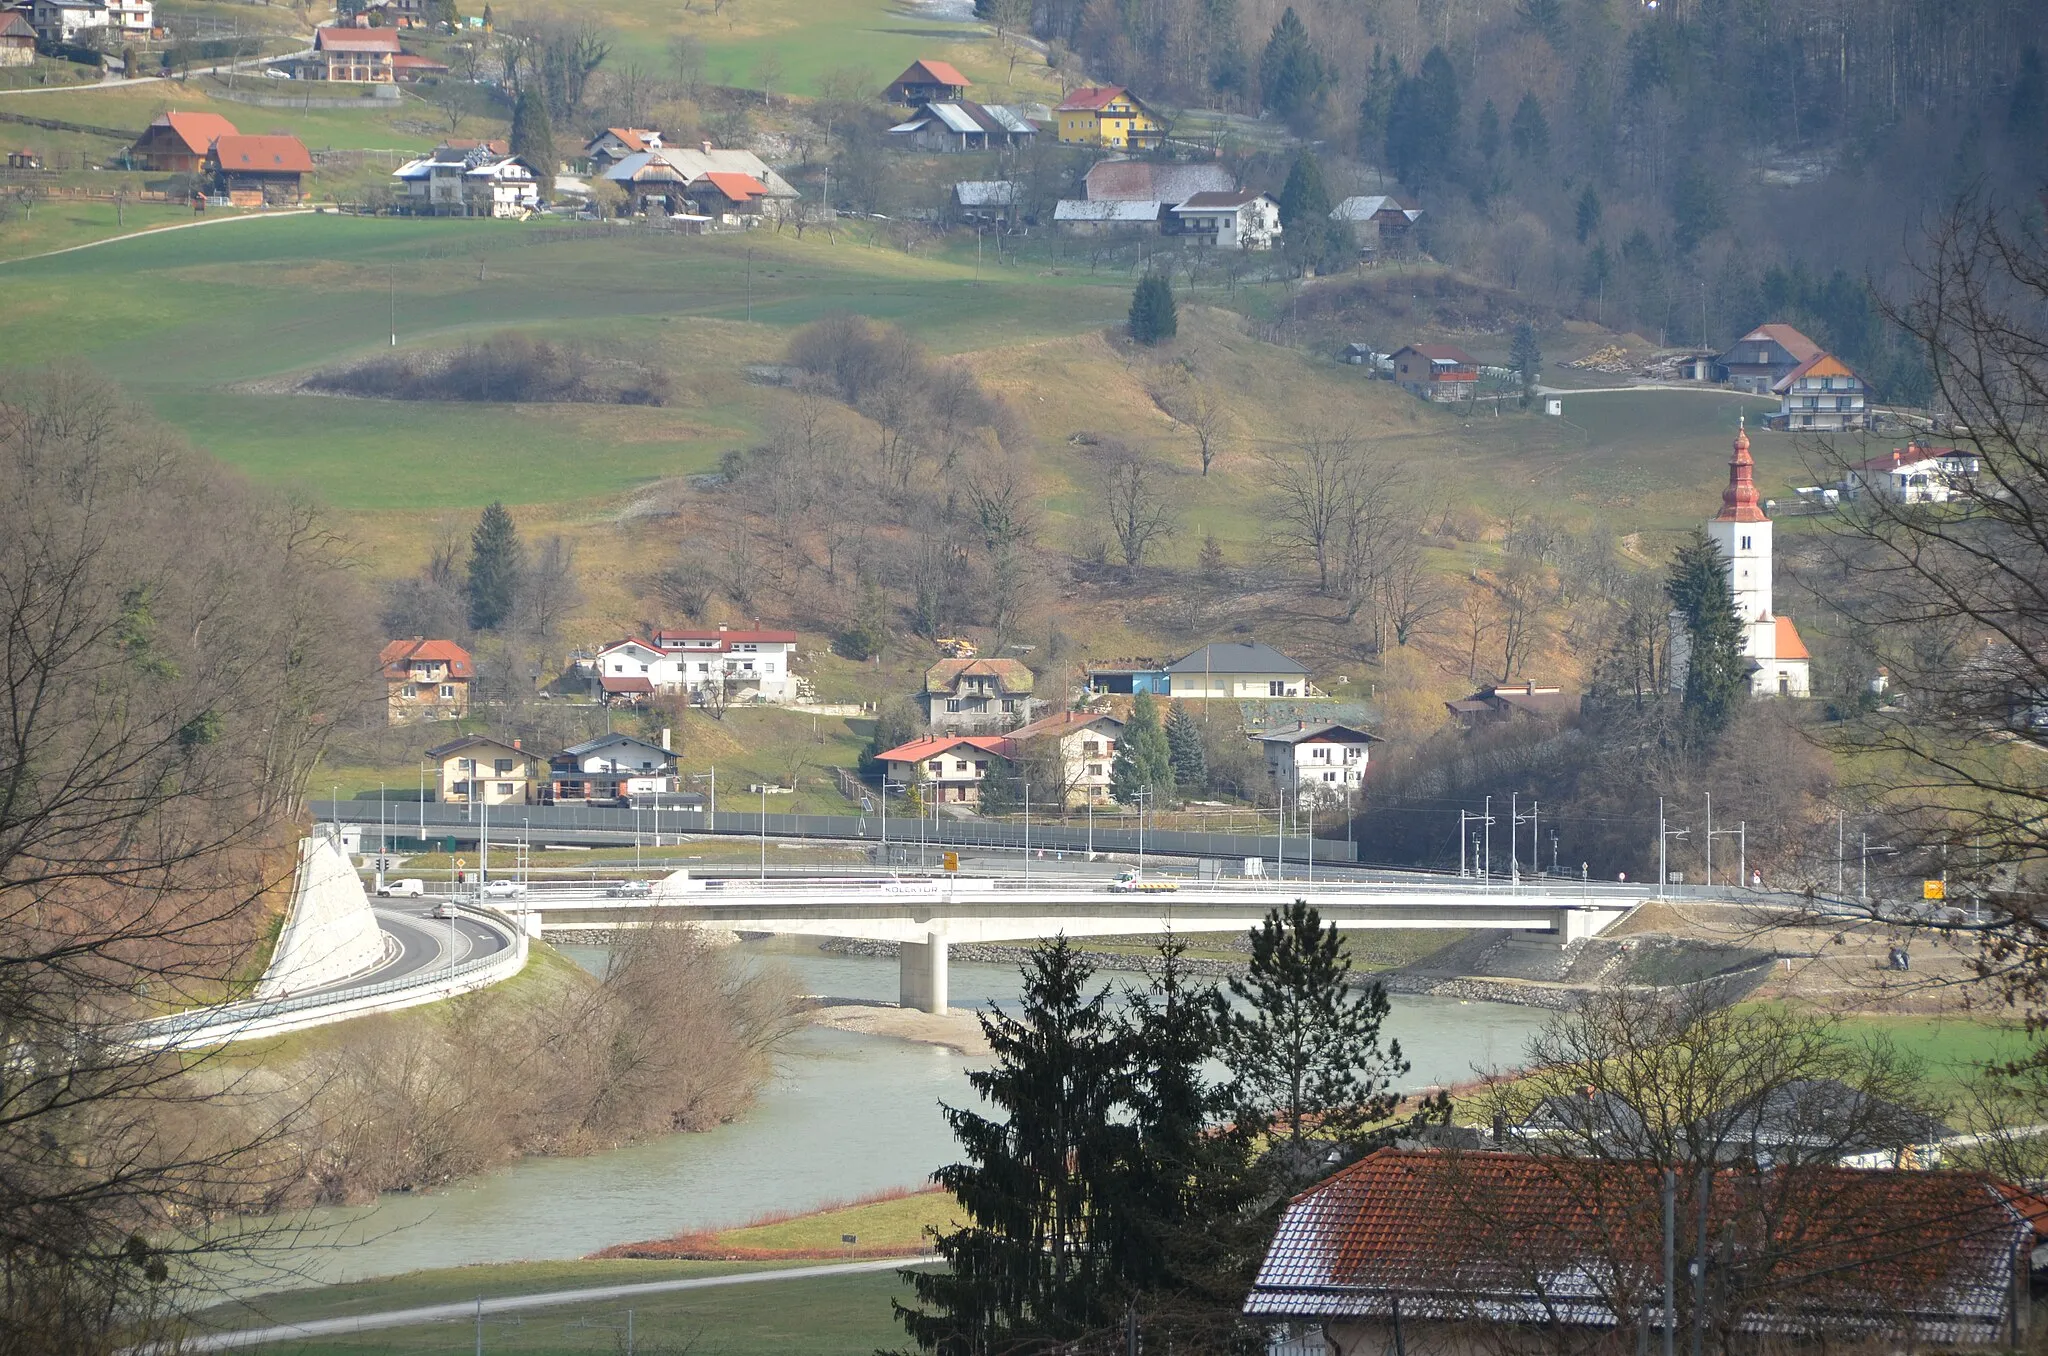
{"x": 539, "y": 821}
{"x": 55, "y": 125}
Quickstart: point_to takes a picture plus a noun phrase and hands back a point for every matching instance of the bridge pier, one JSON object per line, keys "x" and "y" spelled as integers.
{"x": 921, "y": 974}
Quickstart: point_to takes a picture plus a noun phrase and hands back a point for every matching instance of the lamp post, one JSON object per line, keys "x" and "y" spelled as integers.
{"x": 1465, "y": 819}
{"x": 1144, "y": 794}
{"x": 764, "y": 833}
{"x": 1664, "y": 837}
{"x": 1025, "y": 778}
{"x": 1863, "y": 867}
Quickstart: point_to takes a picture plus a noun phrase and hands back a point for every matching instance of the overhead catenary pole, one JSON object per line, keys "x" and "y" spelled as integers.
{"x": 1699, "y": 1265}
{"x": 1670, "y": 1257}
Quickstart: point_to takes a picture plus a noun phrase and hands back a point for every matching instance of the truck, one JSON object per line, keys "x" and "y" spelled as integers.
{"x": 1129, "y": 883}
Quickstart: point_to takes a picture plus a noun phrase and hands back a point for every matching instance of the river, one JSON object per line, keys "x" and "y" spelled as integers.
{"x": 846, "y": 1114}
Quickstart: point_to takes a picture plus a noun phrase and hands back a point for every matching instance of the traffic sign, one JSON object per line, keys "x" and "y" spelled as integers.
{"x": 951, "y": 861}
{"x": 1934, "y": 889}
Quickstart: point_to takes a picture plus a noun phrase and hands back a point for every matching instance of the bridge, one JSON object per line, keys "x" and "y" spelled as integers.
{"x": 924, "y": 917}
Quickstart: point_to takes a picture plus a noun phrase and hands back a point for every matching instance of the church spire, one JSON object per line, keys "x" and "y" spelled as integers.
{"x": 1739, "y": 503}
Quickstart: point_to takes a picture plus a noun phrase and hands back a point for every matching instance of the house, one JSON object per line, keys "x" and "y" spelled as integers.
{"x": 925, "y": 81}
{"x": 1914, "y": 474}
{"x": 17, "y": 39}
{"x": 726, "y": 193}
{"x": 1766, "y": 354}
{"x": 176, "y": 143}
{"x": 62, "y": 22}
{"x": 1441, "y": 373}
{"x": 649, "y": 182}
{"x": 425, "y": 680}
{"x": 1077, "y": 216}
{"x": 1822, "y": 394}
{"x": 748, "y": 665}
{"x": 408, "y": 68}
{"x": 1496, "y": 703}
{"x": 614, "y": 144}
{"x": 1317, "y": 757}
{"x": 1441, "y": 1246}
{"x": 950, "y": 767}
{"x": 657, "y": 178}
{"x": 1121, "y": 179}
{"x": 256, "y": 170}
{"x": 972, "y": 695}
{"x": 609, "y": 770}
{"x": 1085, "y": 744}
{"x": 963, "y": 125}
{"x": 1377, "y": 222}
{"x": 356, "y": 55}
{"x": 503, "y": 187}
{"x": 1239, "y": 220}
{"x": 1778, "y": 659}
{"x": 1108, "y": 116}
{"x": 479, "y": 770}
{"x": 987, "y": 200}
{"x": 1236, "y": 670}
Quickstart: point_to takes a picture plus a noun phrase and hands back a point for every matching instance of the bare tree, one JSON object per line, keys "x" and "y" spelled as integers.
{"x": 1135, "y": 501}
{"x": 1197, "y": 408}
{"x": 549, "y": 592}
{"x": 1313, "y": 490}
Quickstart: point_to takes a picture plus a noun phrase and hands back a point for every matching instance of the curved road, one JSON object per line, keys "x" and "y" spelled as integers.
{"x": 424, "y": 943}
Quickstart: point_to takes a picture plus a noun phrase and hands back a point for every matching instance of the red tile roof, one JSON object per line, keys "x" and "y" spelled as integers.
{"x": 1092, "y": 98}
{"x": 1475, "y": 1234}
{"x": 273, "y": 154}
{"x": 1445, "y": 353}
{"x": 737, "y": 187}
{"x": 1062, "y": 721}
{"x": 15, "y": 24}
{"x": 634, "y": 138}
{"x": 355, "y": 40}
{"x": 195, "y": 131}
{"x": 1790, "y": 646}
{"x": 675, "y": 640}
{"x": 399, "y": 654}
{"x": 1792, "y": 341}
{"x": 917, "y": 750}
{"x": 407, "y": 61}
{"x": 635, "y": 686}
{"x": 932, "y": 73}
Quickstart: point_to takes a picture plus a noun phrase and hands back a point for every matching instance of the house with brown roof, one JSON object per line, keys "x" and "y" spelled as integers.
{"x": 1496, "y": 703}
{"x": 723, "y": 194}
{"x": 1440, "y": 373}
{"x": 1760, "y": 359}
{"x": 479, "y": 770}
{"x": 964, "y": 125}
{"x": 614, "y": 144}
{"x": 177, "y": 143}
{"x": 1120, "y": 179}
{"x": 950, "y": 768}
{"x": 252, "y": 171}
{"x": 1082, "y": 744}
{"x": 925, "y": 81}
{"x": 409, "y": 67}
{"x": 1436, "y": 1249}
{"x": 1915, "y": 474}
{"x": 425, "y": 680}
{"x": 17, "y": 39}
{"x": 1238, "y": 220}
{"x": 965, "y": 696}
{"x": 1822, "y": 394}
{"x": 356, "y": 55}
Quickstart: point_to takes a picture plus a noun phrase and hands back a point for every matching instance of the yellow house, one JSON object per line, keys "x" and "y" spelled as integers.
{"x": 1108, "y": 116}
{"x": 478, "y": 770}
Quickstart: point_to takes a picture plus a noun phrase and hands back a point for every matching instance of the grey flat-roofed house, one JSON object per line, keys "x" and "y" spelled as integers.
{"x": 1236, "y": 670}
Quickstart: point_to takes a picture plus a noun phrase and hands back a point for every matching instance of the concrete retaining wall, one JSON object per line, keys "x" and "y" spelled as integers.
{"x": 331, "y": 932}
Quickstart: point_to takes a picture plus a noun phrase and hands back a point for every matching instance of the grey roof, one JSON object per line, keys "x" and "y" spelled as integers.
{"x": 1015, "y": 119}
{"x": 1216, "y": 202}
{"x": 1080, "y": 209}
{"x": 605, "y": 741}
{"x": 1236, "y": 656}
{"x": 1308, "y": 730}
{"x": 1364, "y": 207}
{"x": 985, "y": 193}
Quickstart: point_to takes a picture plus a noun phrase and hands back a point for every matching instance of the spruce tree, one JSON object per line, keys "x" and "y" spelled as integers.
{"x": 533, "y": 138}
{"x": 496, "y": 562}
{"x": 1529, "y": 131}
{"x": 1527, "y": 356}
{"x": 1422, "y": 124}
{"x": 1307, "y": 1066}
{"x": 1486, "y": 135}
{"x": 1292, "y": 75}
{"x": 1586, "y": 220}
{"x": 1184, "y": 750}
{"x": 1032, "y": 1261}
{"x": 1153, "y": 314}
{"x": 1305, "y": 196}
{"x": 1716, "y": 674}
{"x": 1143, "y": 760}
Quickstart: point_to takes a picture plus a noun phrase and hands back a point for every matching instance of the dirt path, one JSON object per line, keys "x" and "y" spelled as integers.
{"x": 159, "y": 230}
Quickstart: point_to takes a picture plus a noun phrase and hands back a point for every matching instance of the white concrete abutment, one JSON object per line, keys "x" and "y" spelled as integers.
{"x": 921, "y": 974}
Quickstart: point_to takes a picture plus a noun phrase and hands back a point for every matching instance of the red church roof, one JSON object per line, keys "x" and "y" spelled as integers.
{"x": 1739, "y": 503}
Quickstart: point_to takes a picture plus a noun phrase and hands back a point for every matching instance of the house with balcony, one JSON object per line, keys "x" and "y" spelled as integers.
{"x": 614, "y": 144}
{"x": 1234, "y": 670}
{"x": 977, "y": 696}
{"x": 1238, "y": 220}
{"x": 1760, "y": 359}
{"x": 356, "y": 55}
{"x": 1914, "y": 474}
{"x": 1501, "y": 702}
{"x": 1317, "y": 758}
{"x": 1821, "y": 395}
{"x": 948, "y": 769}
{"x": 1439, "y": 373}
{"x": 177, "y": 143}
{"x": 479, "y": 770}
{"x": 1107, "y": 116}
{"x": 612, "y": 769}
{"x": 924, "y": 82}
{"x": 1084, "y": 745}
{"x": 253, "y": 170}
{"x": 425, "y": 680}
{"x": 740, "y": 665}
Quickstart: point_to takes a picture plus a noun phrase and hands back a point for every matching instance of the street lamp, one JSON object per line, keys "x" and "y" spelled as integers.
{"x": 1882, "y": 849}
{"x": 1144, "y": 794}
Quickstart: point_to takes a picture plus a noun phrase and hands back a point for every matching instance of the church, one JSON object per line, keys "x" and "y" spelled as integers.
{"x": 1779, "y": 663}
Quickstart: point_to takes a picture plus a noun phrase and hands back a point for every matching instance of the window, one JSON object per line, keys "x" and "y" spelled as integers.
{"x": 1745, "y": 543}
{"x": 938, "y": 765}
{"x": 1009, "y": 703}
{"x": 643, "y": 668}
{"x": 447, "y": 692}
{"x": 1095, "y": 769}
{"x": 504, "y": 788}
{"x": 1090, "y": 749}
{"x": 980, "y": 767}
{"x": 503, "y": 767}
{"x": 408, "y": 691}
{"x": 952, "y": 703}
{"x": 1276, "y": 688}
{"x": 465, "y": 765}
{"x": 1329, "y": 776}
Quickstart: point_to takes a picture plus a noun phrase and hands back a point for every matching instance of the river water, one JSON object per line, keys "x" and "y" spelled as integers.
{"x": 846, "y": 1114}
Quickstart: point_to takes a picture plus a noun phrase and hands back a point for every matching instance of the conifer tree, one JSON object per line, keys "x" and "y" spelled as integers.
{"x": 1304, "y": 1049}
{"x": 1529, "y": 131}
{"x": 1586, "y": 220}
{"x": 1153, "y": 314}
{"x": 1527, "y": 356}
{"x": 1305, "y": 197}
{"x": 533, "y": 138}
{"x": 1184, "y": 749}
{"x": 1292, "y": 74}
{"x": 1143, "y": 760}
{"x": 1716, "y": 675}
{"x": 1033, "y": 1260}
{"x": 496, "y": 562}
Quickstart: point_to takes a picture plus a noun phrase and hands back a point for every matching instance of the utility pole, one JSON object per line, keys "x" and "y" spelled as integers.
{"x": 1863, "y": 885}
{"x": 1664, "y": 837}
{"x": 764, "y": 833}
{"x": 1710, "y": 838}
{"x": 1486, "y": 830}
{"x": 1670, "y": 1247}
{"x": 1699, "y": 1265}
{"x": 1841, "y": 842}
{"x": 1025, "y": 778}
{"x": 1514, "y": 838}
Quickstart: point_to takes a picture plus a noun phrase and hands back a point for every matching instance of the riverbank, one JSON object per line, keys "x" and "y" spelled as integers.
{"x": 887, "y": 1224}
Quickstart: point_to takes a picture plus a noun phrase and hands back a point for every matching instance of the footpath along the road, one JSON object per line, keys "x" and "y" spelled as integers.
{"x": 506, "y": 1304}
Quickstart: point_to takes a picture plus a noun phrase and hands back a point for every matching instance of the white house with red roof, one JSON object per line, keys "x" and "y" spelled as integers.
{"x": 1914, "y": 474}
{"x": 1780, "y": 664}
{"x": 741, "y": 665}
{"x": 425, "y": 680}
{"x": 950, "y": 768}
{"x": 1822, "y": 394}
{"x": 1237, "y": 220}
{"x": 1086, "y": 745}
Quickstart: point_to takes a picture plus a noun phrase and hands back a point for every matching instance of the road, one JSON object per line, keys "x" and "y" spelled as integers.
{"x": 424, "y": 943}
{"x": 511, "y": 1304}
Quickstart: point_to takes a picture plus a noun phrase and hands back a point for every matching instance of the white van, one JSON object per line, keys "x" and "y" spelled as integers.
{"x": 410, "y": 886}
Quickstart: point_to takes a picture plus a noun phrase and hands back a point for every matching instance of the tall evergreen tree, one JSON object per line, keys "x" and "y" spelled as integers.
{"x": 496, "y": 563}
{"x": 1143, "y": 759}
{"x": 1305, "y": 197}
{"x": 1154, "y": 317}
{"x": 1716, "y": 675}
{"x": 1486, "y": 134}
{"x": 1586, "y": 220}
{"x": 1303, "y": 1047}
{"x": 1381, "y": 80}
{"x": 1422, "y": 124}
{"x": 1184, "y": 749}
{"x": 1529, "y": 131}
{"x": 533, "y": 137}
{"x": 1032, "y": 1261}
{"x": 1292, "y": 74}
{"x": 1527, "y": 356}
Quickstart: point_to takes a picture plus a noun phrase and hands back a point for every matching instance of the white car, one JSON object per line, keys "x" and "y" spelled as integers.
{"x": 446, "y": 909}
{"x": 631, "y": 889}
{"x": 410, "y": 886}
{"x": 503, "y": 889}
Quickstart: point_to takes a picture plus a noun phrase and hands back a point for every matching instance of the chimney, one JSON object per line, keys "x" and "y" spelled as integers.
{"x": 707, "y": 148}
{"x": 1530, "y": 688}
{"x": 723, "y": 627}
{"x": 664, "y": 740}
{"x": 516, "y": 745}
